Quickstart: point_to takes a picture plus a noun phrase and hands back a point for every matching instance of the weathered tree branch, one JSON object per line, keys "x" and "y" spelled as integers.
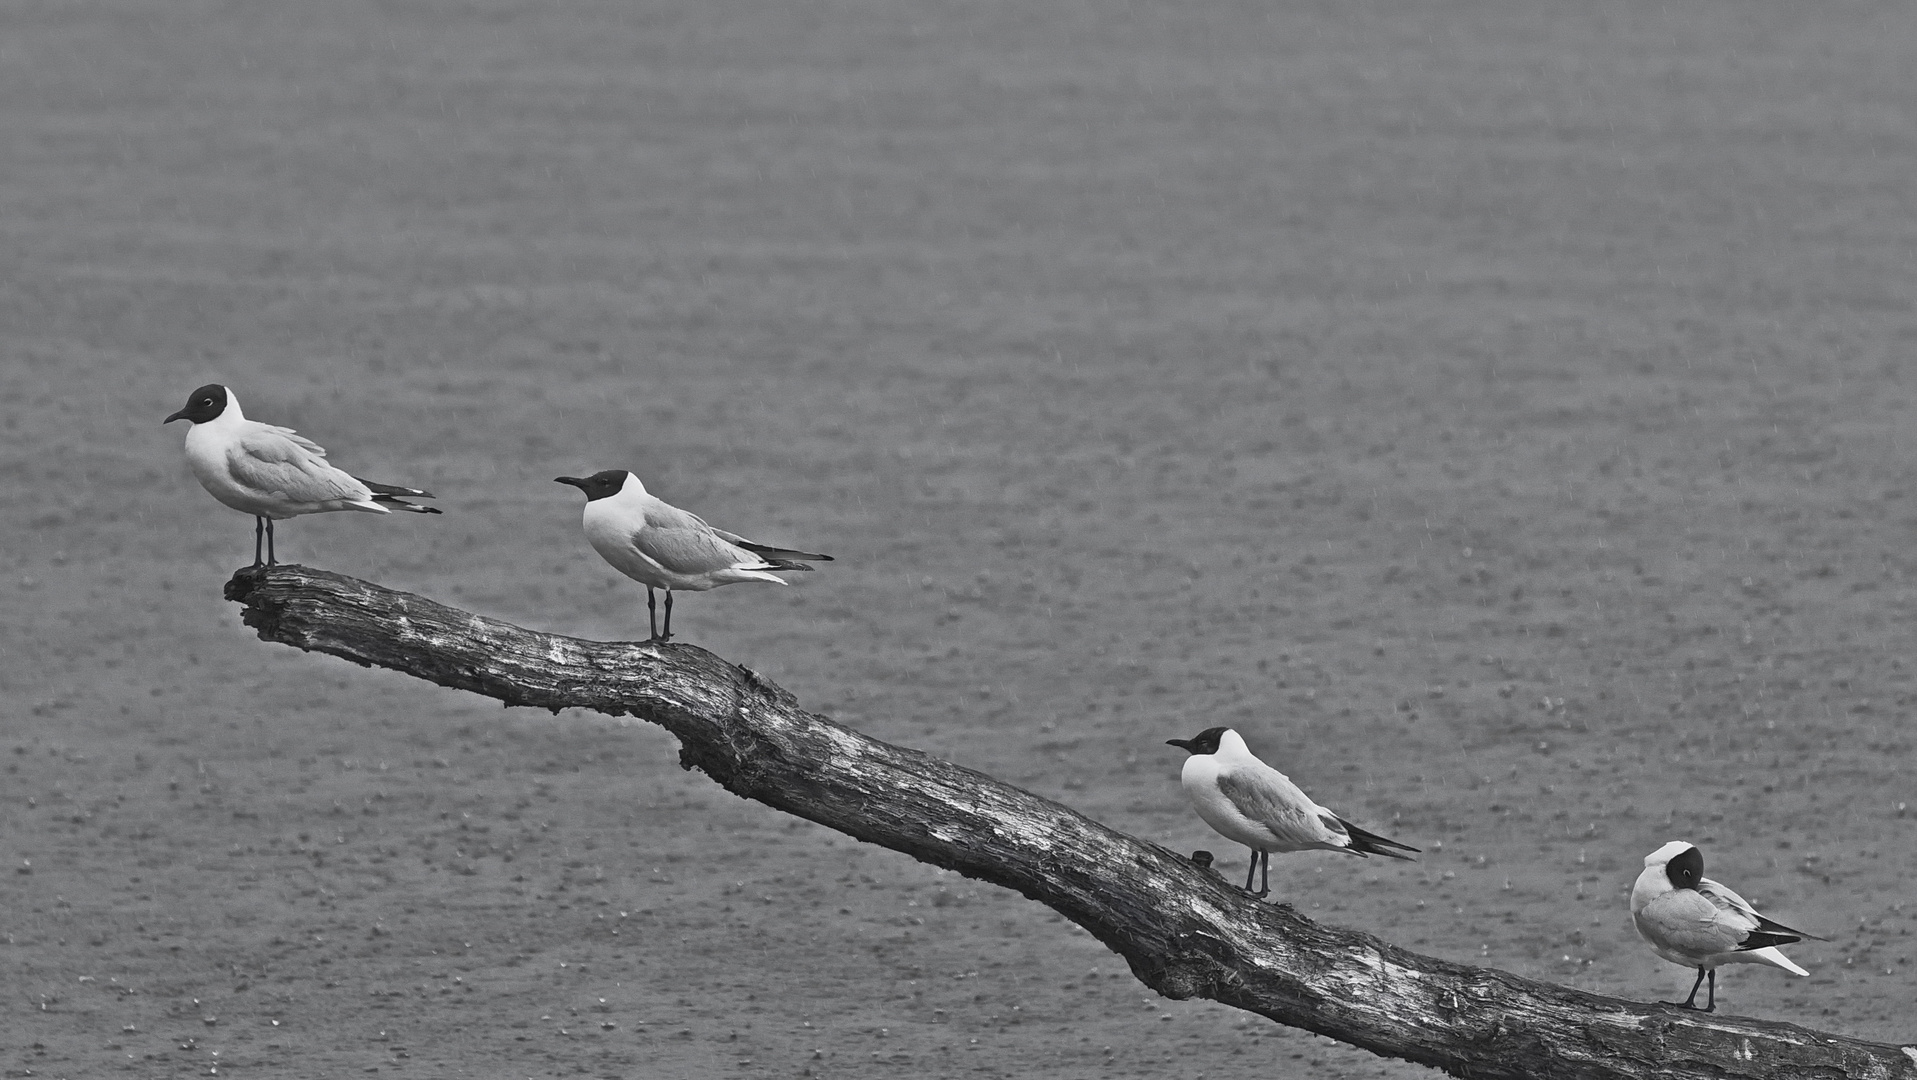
{"x": 1185, "y": 932}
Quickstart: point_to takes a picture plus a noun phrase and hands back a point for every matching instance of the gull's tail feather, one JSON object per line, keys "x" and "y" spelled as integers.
{"x": 1370, "y": 843}
{"x": 401, "y": 504}
{"x": 389, "y": 495}
{"x": 1771, "y": 956}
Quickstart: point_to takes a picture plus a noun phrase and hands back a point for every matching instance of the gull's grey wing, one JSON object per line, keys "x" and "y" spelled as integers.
{"x": 296, "y": 439}
{"x": 1727, "y": 899}
{"x": 1269, "y": 799}
{"x": 274, "y": 460}
{"x": 1691, "y": 923}
{"x": 683, "y": 544}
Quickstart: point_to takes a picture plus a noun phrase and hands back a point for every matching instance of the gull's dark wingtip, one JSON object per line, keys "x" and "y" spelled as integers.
{"x": 378, "y": 489}
{"x": 1365, "y": 842}
{"x": 1772, "y": 926}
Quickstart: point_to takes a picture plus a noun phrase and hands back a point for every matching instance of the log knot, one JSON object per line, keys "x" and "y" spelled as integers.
{"x": 1197, "y": 965}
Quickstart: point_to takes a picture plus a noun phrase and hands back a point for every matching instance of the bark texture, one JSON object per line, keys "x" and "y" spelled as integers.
{"x": 1184, "y": 930}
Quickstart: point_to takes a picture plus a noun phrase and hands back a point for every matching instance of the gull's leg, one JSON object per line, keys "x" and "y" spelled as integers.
{"x": 668, "y": 636}
{"x": 652, "y": 614}
{"x": 1712, "y": 1007}
{"x": 1264, "y": 878}
{"x": 270, "y": 560}
{"x": 259, "y": 537}
{"x": 1259, "y": 858}
{"x": 1691, "y": 1002}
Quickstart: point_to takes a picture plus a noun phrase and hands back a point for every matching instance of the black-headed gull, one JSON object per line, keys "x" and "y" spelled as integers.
{"x": 1695, "y": 922}
{"x": 1246, "y": 800}
{"x": 663, "y": 547}
{"x": 272, "y": 472}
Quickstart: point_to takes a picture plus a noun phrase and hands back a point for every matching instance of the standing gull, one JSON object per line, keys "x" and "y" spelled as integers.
{"x": 1246, "y": 800}
{"x": 1695, "y": 922}
{"x": 663, "y": 547}
{"x": 272, "y": 472}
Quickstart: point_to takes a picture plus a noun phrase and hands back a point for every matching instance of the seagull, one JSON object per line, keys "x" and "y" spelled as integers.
{"x": 272, "y": 472}
{"x": 663, "y": 547}
{"x": 1246, "y": 800}
{"x": 1693, "y": 921}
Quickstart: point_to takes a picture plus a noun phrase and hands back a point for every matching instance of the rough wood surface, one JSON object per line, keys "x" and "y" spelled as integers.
{"x": 1184, "y": 931}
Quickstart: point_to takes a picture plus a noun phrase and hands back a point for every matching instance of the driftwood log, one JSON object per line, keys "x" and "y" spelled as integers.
{"x": 1185, "y": 932}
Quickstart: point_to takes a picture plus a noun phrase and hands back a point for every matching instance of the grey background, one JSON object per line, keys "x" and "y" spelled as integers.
{"x": 1498, "y": 412}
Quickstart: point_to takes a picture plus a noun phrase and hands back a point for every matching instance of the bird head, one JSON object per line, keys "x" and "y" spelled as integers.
{"x": 206, "y": 403}
{"x": 599, "y": 485}
{"x": 1205, "y": 742}
{"x": 1683, "y": 864}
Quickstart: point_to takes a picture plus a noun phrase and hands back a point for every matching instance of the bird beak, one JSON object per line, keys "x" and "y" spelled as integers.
{"x": 1182, "y": 744}
{"x": 573, "y": 480}
{"x": 181, "y": 415}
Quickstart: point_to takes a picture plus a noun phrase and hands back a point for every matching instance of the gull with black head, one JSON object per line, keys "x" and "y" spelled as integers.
{"x": 273, "y": 472}
{"x": 1695, "y": 922}
{"x": 1246, "y": 800}
{"x": 663, "y": 547}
